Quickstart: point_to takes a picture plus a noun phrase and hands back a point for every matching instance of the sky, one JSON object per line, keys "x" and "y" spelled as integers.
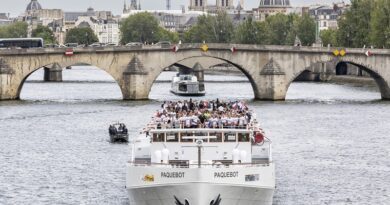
{"x": 16, "y": 7}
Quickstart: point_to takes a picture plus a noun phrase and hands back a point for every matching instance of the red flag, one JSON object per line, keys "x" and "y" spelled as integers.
{"x": 69, "y": 52}
{"x": 233, "y": 49}
{"x": 368, "y": 53}
{"x": 175, "y": 48}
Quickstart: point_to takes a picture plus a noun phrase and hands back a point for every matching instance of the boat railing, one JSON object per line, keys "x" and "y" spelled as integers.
{"x": 216, "y": 165}
{"x": 160, "y": 126}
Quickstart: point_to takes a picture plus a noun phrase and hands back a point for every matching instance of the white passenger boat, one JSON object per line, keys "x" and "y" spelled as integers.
{"x": 187, "y": 85}
{"x": 212, "y": 162}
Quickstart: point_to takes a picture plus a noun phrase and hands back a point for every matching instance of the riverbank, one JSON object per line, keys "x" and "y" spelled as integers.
{"x": 353, "y": 80}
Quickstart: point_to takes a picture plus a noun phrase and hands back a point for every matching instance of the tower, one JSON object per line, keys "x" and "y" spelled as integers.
{"x": 168, "y": 4}
{"x": 225, "y": 4}
{"x": 133, "y": 5}
{"x": 124, "y": 7}
{"x": 198, "y": 5}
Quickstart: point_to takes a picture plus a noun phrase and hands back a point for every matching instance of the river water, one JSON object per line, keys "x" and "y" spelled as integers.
{"x": 331, "y": 142}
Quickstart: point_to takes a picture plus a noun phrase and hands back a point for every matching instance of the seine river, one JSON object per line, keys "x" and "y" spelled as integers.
{"x": 331, "y": 142}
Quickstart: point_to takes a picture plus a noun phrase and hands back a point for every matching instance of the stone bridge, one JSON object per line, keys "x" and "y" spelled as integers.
{"x": 270, "y": 69}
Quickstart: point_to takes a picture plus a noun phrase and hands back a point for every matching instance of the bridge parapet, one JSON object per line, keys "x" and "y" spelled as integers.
{"x": 195, "y": 46}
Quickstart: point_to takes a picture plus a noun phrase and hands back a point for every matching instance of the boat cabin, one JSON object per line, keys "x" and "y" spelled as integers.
{"x": 203, "y": 147}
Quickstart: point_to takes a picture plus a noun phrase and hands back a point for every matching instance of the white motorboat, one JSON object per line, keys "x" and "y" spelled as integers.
{"x": 187, "y": 85}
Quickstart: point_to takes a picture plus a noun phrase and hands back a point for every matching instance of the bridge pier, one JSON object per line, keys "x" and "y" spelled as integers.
{"x": 136, "y": 83}
{"x": 53, "y": 73}
{"x": 271, "y": 85}
{"x": 7, "y": 90}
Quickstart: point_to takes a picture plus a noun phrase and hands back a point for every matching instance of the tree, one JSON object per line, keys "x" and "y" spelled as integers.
{"x": 165, "y": 35}
{"x": 215, "y": 29}
{"x": 15, "y": 30}
{"x": 81, "y": 36}
{"x": 141, "y": 27}
{"x": 380, "y": 24}
{"x": 250, "y": 32}
{"x": 305, "y": 27}
{"x": 354, "y": 25}
{"x": 277, "y": 28}
{"x": 201, "y": 31}
{"x": 329, "y": 37}
{"x": 44, "y": 32}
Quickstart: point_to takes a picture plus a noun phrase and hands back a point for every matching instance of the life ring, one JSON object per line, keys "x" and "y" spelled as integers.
{"x": 259, "y": 137}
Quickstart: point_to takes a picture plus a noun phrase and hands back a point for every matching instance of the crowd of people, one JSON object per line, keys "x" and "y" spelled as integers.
{"x": 202, "y": 114}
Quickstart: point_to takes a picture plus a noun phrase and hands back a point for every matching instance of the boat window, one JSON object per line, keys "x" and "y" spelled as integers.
{"x": 172, "y": 137}
{"x": 183, "y": 87}
{"x": 243, "y": 137}
{"x": 201, "y": 87}
{"x": 216, "y": 137}
{"x": 158, "y": 137}
{"x": 230, "y": 137}
{"x": 184, "y": 136}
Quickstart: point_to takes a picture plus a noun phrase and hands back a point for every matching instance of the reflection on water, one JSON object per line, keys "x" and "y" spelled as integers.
{"x": 331, "y": 142}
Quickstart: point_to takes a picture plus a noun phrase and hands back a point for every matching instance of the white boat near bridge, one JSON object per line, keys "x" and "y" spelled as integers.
{"x": 223, "y": 165}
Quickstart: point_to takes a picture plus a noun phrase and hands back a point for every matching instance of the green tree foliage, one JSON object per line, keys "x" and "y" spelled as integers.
{"x": 144, "y": 28}
{"x": 250, "y": 32}
{"x": 44, "y": 32}
{"x": 277, "y": 28}
{"x": 305, "y": 28}
{"x": 215, "y": 29}
{"x": 15, "y": 30}
{"x": 354, "y": 25}
{"x": 380, "y": 24}
{"x": 81, "y": 36}
{"x": 165, "y": 35}
{"x": 141, "y": 27}
{"x": 329, "y": 37}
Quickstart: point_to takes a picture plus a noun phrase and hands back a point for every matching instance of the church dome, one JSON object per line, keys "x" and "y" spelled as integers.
{"x": 274, "y": 3}
{"x": 33, "y": 5}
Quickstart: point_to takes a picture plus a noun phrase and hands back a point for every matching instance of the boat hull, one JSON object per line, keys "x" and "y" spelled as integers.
{"x": 249, "y": 185}
{"x": 188, "y": 94}
{"x": 201, "y": 194}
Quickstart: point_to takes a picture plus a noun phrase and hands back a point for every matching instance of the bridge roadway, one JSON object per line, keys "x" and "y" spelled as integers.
{"x": 270, "y": 69}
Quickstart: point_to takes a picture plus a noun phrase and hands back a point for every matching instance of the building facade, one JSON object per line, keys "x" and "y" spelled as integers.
{"x": 107, "y": 30}
{"x": 207, "y": 6}
{"x": 327, "y": 16}
{"x": 271, "y": 7}
{"x": 5, "y": 19}
{"x": 103, "y": 23}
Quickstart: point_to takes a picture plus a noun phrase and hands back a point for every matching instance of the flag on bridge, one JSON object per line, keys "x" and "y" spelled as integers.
{"x": 368, "y": 53}
{"x": 233, "y": 49}
{"x": 69, "y": 52}
{"x": 175, "y": 48}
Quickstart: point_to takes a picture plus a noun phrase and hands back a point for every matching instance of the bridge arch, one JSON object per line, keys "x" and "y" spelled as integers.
{"x": 339, "y": 67}
{"x": 63, "y": 67}
{"x": 240, "y": 68}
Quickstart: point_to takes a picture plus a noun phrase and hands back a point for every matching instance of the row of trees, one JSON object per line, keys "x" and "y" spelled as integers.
{"x": 76, "y": 35}
{"x": 366, "y": 23}
{"x": 278, "y": 29}
{"x": 144, "y": 27}
{"x": 15, "y": 30}
{"x": 19, "y": 30}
